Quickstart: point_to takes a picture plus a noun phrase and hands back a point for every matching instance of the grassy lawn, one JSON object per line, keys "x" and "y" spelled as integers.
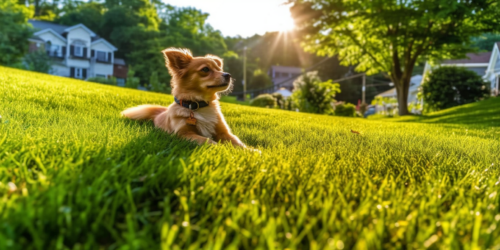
{"x": 74, "y": 175}
{"x": 478, "y": 114}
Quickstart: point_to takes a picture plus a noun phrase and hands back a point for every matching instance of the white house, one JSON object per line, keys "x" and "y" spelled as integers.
{"x": 283, "y": 76}
{"x": 77, "y": 51}
{"x": 492, "y": 74}
{"x": 415, "y": 82}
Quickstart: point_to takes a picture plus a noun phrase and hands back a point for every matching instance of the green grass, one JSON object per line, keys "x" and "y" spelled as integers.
{"x": 74, "y": 175}
{"x": 479, "y": 114}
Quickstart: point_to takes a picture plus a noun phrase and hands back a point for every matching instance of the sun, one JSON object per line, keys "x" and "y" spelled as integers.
{"x": 283, "y": 20}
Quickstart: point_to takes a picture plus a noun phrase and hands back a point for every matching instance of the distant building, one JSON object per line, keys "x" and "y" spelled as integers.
{"x": 415, "y": 82}
{"x": 283, "y": 76}
{"x": 77, "y": 51}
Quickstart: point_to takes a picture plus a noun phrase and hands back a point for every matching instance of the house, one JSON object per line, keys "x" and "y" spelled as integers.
{"x": 485, "y": 64}
{"x": 76, "y": 51}
{"x": 415, "y": 82}
{"x": 283, "y": 76}
{"x": 492, "y": 74}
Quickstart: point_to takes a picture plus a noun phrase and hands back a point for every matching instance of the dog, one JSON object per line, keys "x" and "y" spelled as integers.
{"x": 195, "y": 114}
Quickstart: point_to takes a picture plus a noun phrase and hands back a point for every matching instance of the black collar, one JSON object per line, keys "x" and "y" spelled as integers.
{"x": 192, "y": 105}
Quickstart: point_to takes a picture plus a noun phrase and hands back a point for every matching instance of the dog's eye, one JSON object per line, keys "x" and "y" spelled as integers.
{"x": 206, "y": 69}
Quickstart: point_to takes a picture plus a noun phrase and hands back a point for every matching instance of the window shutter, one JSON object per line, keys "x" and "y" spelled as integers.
{"x": 84, "y": 53}
{"x": 109, "y": 56}
{"x": 92, "y": 53}
{"x": 72, "y": 50}
{"x": 64, "y": 51}
{"x": 72, "y": 71}
{"x": 84, "y": 73}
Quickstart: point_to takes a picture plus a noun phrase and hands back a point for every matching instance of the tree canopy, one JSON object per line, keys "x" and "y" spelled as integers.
{"x": 14, "y": 31}
{"x": 391, "y": 36}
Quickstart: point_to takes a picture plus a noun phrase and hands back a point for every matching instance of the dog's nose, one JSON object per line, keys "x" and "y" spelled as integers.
{"x": 227, "y": 76}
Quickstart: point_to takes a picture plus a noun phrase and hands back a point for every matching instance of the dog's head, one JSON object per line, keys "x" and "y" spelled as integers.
{"x": 196, "y": 77}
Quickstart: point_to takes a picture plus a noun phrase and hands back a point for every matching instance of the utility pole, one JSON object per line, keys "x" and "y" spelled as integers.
{"x": 245, "y": 73}
{"x": 364, "y": 89}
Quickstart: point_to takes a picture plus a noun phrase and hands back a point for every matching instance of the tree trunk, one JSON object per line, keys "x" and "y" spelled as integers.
{"x": 402, "y": 89}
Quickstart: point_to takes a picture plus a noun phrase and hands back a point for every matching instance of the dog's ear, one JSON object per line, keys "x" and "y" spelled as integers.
{"x": 216, "y": 59}
{"x": 177, "y": 59}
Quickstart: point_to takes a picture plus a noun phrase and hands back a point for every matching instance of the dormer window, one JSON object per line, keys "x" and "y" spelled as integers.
{"x": 78, "y": 50}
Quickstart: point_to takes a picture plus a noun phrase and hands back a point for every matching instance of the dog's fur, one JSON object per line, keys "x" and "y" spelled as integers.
{"x": 191, "y": 83}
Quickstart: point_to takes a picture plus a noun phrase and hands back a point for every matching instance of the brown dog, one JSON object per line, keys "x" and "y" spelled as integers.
{"x": 195, "y": 115}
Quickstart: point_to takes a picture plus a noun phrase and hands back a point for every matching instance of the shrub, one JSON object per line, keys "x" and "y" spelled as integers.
{"x": 132, "y": 82}
{"x": 363, "y": 107}
{"x": 260, "y": 80}
{"x": 264, "y": 100}
{"x": 347, "y": 109}
{"x": 279, "y": 100}
{"x": 447, "y": 87}
{"x": 38, "y": 61}
{"x": 155, "y": 85}
{"x": 312, "y": 95}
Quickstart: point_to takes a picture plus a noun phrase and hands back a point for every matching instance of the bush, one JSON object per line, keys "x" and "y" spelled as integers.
{"x": 280, "y": 101}
{"x": 264, "y": 100}
{"x": 312, "y": 95}
{"x": 157, "y": 86}
{"x": 260, "y": 80}
{"x": 347, "y": 109}
{"x": 109, "y": 81}
{"x": 132, "y": 82}
{"x": 363, "y": 108}
{"x": 38, "y": 61}
{"x": 447, "y": 87}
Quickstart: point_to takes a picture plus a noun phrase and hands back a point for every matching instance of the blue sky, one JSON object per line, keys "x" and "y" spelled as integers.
{"x": 242, "y": 17}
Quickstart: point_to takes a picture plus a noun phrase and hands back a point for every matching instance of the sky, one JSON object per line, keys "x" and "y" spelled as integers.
{"x": 242, "y": 17}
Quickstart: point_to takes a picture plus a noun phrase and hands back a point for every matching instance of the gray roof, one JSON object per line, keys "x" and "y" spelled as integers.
{"x": 119, "y": 61}
{"x": 483, "y": 57}
{"x": 41, "y": 25}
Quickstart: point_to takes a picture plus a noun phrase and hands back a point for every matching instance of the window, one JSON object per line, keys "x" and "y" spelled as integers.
{"x": 78, "y": 50}
{"x": 101, "y": 56}
{"x": 54, "y": 50}
{"x": 103, "y": 76}
{"x": 78, "y": 72}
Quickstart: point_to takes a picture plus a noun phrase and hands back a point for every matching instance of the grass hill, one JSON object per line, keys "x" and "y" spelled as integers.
{"x": 74, "y": 175}
{"x": 483, "y": 114}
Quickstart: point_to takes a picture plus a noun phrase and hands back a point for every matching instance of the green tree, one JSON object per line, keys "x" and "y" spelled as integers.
{"x": 90, "y": 14}
{"x": 447, "y": 87}
{"x": 392, "y": 36}
{"x": 312, "y": 95}
{"x": 38, "y": 61}
{"x": 14, "y": 31}
{"x": 132, "y": 81}
{"x": 259, "y": 80}
{"x": 155, "y": 84}
{"x": 486, "y": 41}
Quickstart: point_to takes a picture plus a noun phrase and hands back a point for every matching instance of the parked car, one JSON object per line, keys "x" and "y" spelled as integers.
{"x": 370, "y": 111}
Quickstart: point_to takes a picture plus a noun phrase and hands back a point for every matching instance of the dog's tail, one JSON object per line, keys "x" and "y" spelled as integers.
{"x": 144, "y": 112}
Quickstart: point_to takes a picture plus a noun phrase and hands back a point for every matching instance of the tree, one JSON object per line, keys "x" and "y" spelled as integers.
{"x": 14, "y": 31}
{"x": 312, "y": 95}
{"x": 155, "y": 84}
{"x": 259, "y": 80}
{"x": 447, "y": 87}
{"x": 132, "y": 81}
{"x": 392, "y": 36}
{"x": 38, "y": 61}
{"x": 485, "y": 42}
